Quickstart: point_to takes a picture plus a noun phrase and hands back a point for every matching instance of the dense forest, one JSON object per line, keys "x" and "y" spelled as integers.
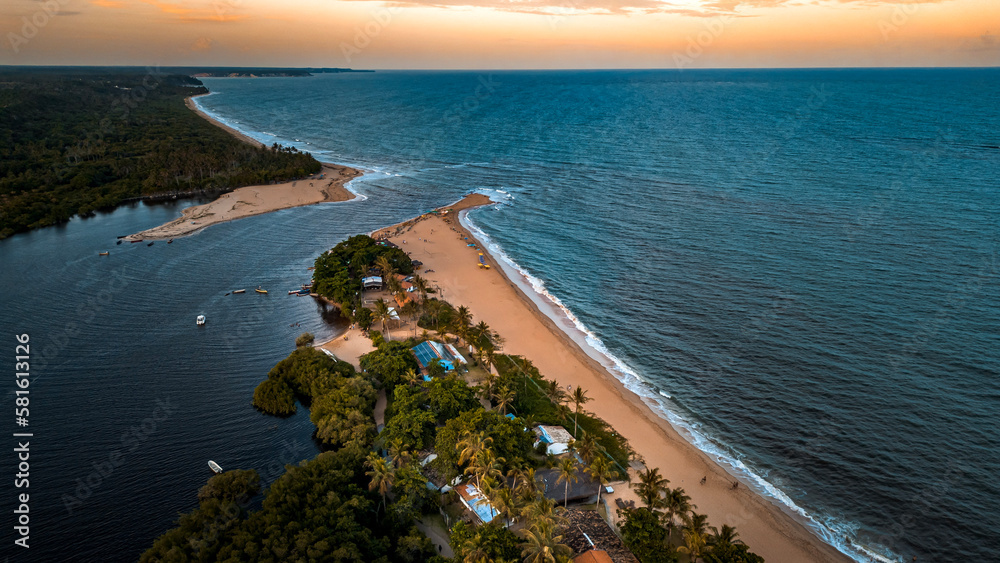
{"x": 74, "y": 143}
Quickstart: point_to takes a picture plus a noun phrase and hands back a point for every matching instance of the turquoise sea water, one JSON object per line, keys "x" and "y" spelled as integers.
{"x": 797, "y": 268}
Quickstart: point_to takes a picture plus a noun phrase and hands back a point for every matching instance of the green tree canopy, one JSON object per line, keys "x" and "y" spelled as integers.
{"x": 320, "y": 510}
{"x": 644, "y": 536}
{"x": 490, "y": 542}
{"x": 389, "y": 363}
{"x": 236, "y": 485}
{"x": 449, "y": 396}
{"x": 510, "y": 441}
{"x": 731, "y": 553}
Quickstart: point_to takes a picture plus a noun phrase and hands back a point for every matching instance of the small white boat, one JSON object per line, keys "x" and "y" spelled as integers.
{"x": 214, "y": 467}
{"x": 200, "y": 320}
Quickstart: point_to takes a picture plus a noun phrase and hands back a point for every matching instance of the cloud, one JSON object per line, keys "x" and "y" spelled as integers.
{"x": 203, "y": 44}
{"x": 733, "y": 5}
{"x": 107, "y": 3}
{"x": 563, "y": 7}
{"x": 705, "y": 8}
{"x": 221, "y": 11}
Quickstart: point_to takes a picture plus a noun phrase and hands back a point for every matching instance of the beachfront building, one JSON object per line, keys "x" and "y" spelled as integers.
{"x": 372, "y": 283}
{"x": 409, "y": 290}
{"x": 476, "y": 502}
{"x": 584, "y": 489}
{"x": 428, "y": 351}
{"x": 557, "y": 438}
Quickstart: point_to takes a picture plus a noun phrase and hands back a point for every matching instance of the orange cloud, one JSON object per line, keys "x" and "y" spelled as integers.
{"x": 107, "y": 3}
{"x": 704, "y": 8}
{"x": 223, "y": 11}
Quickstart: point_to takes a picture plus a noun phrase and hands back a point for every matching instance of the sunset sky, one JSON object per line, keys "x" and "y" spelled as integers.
{"x": 503, "y": 34}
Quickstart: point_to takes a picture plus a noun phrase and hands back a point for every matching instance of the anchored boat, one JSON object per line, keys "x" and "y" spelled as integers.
{"x": 259, "y": 290}
{"x": 200, "y": 320}
{"x": 215, "y": 467}
{"x": 239, "y": 291}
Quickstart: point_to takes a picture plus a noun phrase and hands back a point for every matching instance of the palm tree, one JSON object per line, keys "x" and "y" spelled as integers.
{"x": 529, "y": 420}
{"x": 651, "y": 487}
{"x": 563, "y": 411}
{"x": 694, "y": 544}
{"x": 471, "y": 444}
{"x": 540, "y": 510}
{"x": 497, "y": 341}
{"x": 482, "y": 334}
{"x": 543, "y": 545}
{"x": 395, "y": 286}
{"x": 505, "y": 504}
{"x": 579, "y": 397}
{"x": 567, "y": 474}
{"x": 488, "y": 357}
{"x": 382, "y": 315}
{"x": 516, "y": 471}
{"x": 475, "y": 551}
{"x": 463, "y": 320}
{"x": 586, "y": 447}
{"x": 696, "y": 522}
{"x": 504, "y": 397}
{"x": 600, "y": 470}
{"x": 486, "y": 465}
{"x": 411, "y": 377}
{"x": 486, "y": 389}
{"x": 411, "y": 310}
{"x": 398, "y": 453}
{"x": 676, "y": 505}
{"x": 421, "y": 285}
{"x": 381, "y": 474}
{"x": 383, "y": 263}
{"x": 529, "y": 487}
{"x": 433, "y": 308}
{"x": 727, "y": 535}
{"x": 489, "y": 487}
{"x": 554, "y": 392}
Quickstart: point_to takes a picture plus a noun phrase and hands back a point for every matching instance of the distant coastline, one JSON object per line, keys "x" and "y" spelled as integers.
{"x": 269, "y": 73}
{"x": 326, "y": 186}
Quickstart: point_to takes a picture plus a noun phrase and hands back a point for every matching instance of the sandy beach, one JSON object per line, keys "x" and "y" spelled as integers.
{"x": 449, "y": 265}
{"x": 256, "y": 200}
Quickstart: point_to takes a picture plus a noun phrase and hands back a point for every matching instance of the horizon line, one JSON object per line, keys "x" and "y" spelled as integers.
{"x": 546, "y": 69}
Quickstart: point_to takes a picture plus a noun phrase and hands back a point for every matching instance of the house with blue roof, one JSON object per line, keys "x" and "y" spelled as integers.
{"x": 427, "y": 352}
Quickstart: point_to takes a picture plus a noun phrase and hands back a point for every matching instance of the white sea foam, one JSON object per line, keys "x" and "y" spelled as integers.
{"x": 837, "y": 534}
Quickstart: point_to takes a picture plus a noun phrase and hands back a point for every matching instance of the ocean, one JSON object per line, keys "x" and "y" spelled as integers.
{"x": 798, "y": 268}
